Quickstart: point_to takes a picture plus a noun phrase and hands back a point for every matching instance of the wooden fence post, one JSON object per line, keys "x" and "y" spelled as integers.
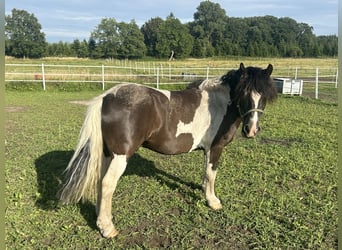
{"x": 336, "y": 81}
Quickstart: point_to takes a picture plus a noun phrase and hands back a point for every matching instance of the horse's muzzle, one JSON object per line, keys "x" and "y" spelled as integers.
{"x": 249, "y": 131}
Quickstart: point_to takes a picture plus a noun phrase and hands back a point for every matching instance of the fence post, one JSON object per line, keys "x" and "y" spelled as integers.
{"x": 103, "y": 77}
{"x": 316, "y": 88}
{"x": 43, "y": 77}
{"x": 207, "y": 73}
{"x": 157, "y": 77}
{"x": 161, "y": 71}
{"x": 296, "y": 73}
{"x": 336, "y": 82}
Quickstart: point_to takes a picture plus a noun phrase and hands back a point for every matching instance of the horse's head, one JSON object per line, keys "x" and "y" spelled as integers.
{"x": 253, "y": 90}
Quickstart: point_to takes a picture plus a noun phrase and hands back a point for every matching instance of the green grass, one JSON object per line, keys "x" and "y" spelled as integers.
{"x": 278, "y": 191}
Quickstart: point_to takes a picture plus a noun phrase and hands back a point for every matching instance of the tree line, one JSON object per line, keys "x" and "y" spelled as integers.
{"x": 211, "y": 33}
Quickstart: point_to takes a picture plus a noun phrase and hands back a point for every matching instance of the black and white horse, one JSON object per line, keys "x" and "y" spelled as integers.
{"x": 204, "y": 116}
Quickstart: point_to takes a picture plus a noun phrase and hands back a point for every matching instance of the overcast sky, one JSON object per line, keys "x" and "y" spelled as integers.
{"x": 66, "y": 20}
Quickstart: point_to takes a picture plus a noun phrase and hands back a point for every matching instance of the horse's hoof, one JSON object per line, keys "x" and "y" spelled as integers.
{"x": 112, "y": 234}
{"x": 216, "y": 206}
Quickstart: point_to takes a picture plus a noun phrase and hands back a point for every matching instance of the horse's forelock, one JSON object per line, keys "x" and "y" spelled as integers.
{"x": 254, "y": 79}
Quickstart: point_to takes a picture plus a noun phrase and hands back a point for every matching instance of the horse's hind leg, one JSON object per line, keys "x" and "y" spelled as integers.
{"x": 105, "y": 164}
{"x": 104, "y": 203}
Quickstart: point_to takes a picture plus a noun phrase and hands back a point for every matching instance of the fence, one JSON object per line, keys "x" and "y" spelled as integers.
{"x": 318, "y": 82}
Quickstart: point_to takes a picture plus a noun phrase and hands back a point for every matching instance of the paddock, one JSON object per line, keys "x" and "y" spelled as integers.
{"x": 282, "y": 193}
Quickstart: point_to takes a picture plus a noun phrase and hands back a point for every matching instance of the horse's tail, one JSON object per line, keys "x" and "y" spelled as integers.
{"x": 84, "y": 169}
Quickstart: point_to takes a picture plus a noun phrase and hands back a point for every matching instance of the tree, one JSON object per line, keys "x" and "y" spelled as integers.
{"x": 131, "y": 41}
{"x": 23, "y": 35}
{"x": 83, "y": 51}
{"x": 92, "y": 48}
{"x": 150, "y": 30}
{"x": 209, "y": 24}
{"x": 117, "y": 40}
{"x": 106, "y": 36}
{"x": 75, "y": 46}
{"x": 306, "y": 40}
{"x": 80, "y": 49}
{"x": 173, "y": 36}
{"x": 328, "y": 45}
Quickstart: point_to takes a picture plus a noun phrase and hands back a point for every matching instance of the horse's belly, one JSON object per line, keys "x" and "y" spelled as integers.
{"x": 170, "y": 145}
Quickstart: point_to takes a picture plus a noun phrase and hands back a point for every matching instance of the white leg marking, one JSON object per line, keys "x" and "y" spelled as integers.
{"x": 209, "y": 184}
{"x": 105, "y": 164}
{"x": 108, "y": 185}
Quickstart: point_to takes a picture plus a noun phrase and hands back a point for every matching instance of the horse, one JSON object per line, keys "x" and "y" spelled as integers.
{"x": 204, "y": 116}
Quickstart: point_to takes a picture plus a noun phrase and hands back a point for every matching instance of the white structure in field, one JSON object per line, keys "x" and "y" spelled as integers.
{"x": 289, "y": 86}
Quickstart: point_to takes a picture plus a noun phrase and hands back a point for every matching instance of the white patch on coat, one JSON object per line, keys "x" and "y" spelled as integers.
{"x": 167, "y": 93}
{"x": 254, "y": 118}
{"x": 207, "y": 118}
{"x": 200, "y": 123}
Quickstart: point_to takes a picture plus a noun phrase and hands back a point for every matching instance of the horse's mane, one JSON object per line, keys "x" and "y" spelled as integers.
{"x": 206, "y": 83}
{"x": 243, "y": 80}
{"x": 258, "y": 80}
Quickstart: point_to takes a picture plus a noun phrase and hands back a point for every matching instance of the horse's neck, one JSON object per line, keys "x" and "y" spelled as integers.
{"x": 230, "y": 124}
{"x": 220, "y": 95}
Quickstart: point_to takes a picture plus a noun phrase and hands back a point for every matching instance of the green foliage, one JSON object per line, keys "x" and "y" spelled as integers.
{"x": 106, "y": 36}
{"x": 211, "y": 33}
{"x": 150, "y": 30}
{"x": 210, "y": 20}
{"x": 279, "y": 191}
{"x": 23, "y": 36}
{"x": 327, "y": 45}
{"x": 118, "y": 40}
{"x": 173, "y": 36}
{"x": 80, "y": 48}
{"x": 131, "y": 41}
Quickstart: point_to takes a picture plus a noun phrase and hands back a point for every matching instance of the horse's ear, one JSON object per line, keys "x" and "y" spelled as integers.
{"x": 242, "y": 68}
{"x": 268, "y": 70}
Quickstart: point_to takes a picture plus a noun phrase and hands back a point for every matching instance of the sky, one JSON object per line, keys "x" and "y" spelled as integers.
{"x": 67, "y": 20}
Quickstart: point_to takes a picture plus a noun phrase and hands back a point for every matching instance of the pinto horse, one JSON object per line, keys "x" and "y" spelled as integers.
{"x": 204, "y": 116}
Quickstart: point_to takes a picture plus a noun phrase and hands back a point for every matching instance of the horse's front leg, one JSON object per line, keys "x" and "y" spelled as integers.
{"x": 210, "y": 170}
{"x": 107, "y": 188}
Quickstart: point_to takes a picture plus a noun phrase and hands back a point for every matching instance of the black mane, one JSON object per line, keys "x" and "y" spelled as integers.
{"x": 245, "y": 80}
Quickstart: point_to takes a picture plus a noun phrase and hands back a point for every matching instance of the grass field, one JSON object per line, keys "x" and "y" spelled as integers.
{"x": 279, "y": 191}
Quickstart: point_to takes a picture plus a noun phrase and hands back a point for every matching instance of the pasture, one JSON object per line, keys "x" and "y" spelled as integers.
{"x": 279, "y": 191}
{"x": 74, "y": 74}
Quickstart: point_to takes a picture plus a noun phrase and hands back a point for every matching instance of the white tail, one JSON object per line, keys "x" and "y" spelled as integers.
{"x": 84, "y": 169}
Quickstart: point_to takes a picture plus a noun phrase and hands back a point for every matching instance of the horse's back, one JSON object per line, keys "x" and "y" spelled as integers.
{"x": 128, "y": 116}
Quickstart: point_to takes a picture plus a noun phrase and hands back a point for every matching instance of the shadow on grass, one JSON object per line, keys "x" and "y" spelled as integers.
{"x": 51, "y": 165}
{"x": 49, "y": 168}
